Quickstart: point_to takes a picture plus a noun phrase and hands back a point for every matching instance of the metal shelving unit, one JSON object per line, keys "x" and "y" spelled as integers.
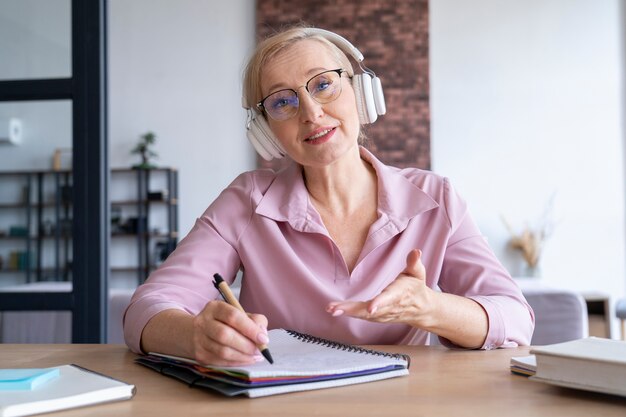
{"x": 143, "y": 206}
{"x": 47, "y": 215}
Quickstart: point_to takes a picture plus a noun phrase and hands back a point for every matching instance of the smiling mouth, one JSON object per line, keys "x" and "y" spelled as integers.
{"x": 319, "y": 134}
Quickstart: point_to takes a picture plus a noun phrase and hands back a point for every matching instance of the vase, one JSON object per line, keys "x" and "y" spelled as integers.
{"x": 532, "y": 271}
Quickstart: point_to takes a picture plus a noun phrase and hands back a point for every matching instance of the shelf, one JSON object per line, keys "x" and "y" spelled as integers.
{"x": 13, "y": 205}
{"x": 33, "y": 173}
{"x": 172, "y": 201}
{"x": 69, "y": 237}
{"x": 129, "y": 269}
{"x": 172, "y": 235}
{"x": 63, "y": 204}
{"x": 66, "y": 171}
{"x": 134, "y": 170}
{"x": 61, "y": 236}
{"x": 34, "y": 205}
{"x": 34, "y": 270}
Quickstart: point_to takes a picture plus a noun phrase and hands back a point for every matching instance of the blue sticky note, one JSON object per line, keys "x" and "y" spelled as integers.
{"x": 25, "y": 379}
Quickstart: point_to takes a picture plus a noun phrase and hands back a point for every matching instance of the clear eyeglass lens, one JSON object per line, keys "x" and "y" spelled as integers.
{"x": 323, "y": 88}
{"x": 282, "y": 104}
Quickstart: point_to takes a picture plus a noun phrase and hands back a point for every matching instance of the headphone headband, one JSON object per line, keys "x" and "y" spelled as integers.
{"x": 339, "y": 41}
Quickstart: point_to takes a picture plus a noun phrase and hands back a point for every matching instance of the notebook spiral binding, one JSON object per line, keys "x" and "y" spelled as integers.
{"x": 350, "y": 348}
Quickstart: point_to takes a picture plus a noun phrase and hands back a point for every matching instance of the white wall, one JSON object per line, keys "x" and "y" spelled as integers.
{"x": 175, "y": 69}
{"x": 35, "y": 39}
{"x": 527, "y": 100}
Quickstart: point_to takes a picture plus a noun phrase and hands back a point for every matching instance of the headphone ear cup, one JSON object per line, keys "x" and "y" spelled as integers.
{"x": 269, "y": 140}
{"x": 364, "y": 95}
{"x": 379, "y": 97}
{"x": 263, "y": 139}
{"x": 257, "y": 145}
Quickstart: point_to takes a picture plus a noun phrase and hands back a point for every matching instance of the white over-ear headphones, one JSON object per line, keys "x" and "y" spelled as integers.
{"x": 368, "y": 91}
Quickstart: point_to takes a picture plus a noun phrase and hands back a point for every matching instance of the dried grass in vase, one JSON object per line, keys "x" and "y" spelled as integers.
{"x": 530, "y": 243}
{"x": 531, "y": 240}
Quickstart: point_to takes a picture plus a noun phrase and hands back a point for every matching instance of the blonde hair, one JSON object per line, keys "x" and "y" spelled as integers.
{"x": 274, "y": 44}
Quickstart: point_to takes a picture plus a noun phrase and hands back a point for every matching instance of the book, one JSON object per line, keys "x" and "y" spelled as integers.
{"x": 74, "y": 386}
{"x": 301, "y": 362}
{"x": 524, "y": 365}
{"x": 25, "y": 379}
{"x": 592, "y": 364}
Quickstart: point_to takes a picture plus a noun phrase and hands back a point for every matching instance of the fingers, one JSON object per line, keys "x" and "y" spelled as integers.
{"x": 210, "y": 351}
{"x": 404, "y": 294}
{"x": 223, "y": 335}
{"x": 358, "y": 309}
{"x": 385, "y": 298}
{"x": 260, "y": 320}
{"x": 414, "y": 265}
{"x": 377, "y": 309}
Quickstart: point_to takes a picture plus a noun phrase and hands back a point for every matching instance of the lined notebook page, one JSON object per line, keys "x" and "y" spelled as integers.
{"x": 296, "y": 357}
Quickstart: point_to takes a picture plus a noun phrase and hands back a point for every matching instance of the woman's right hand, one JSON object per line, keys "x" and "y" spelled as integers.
{"x": 226, "y": 336}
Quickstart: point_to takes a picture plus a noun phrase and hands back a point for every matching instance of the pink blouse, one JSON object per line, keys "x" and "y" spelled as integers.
{"x": 265, "y": 225}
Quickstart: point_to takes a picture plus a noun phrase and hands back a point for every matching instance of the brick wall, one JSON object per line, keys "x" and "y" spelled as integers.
{"x": 393, "y": 37}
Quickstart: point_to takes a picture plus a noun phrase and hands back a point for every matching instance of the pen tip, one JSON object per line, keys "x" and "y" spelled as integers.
{"x": 218, "y": 280}
{"x": 267, "y": 355}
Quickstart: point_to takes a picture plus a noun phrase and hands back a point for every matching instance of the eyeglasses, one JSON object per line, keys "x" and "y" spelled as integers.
{"x": 323, "y": 88}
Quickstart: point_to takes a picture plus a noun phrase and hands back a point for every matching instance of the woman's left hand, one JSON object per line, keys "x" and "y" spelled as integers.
{"x": 406, "y": 300}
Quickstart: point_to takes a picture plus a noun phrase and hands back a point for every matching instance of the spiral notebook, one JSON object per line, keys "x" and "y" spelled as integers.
{"x": 301, "y": 362}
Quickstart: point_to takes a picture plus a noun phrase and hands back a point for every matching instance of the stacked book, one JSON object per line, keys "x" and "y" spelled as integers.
{"x": 591, "y": 364}
{"x": 18, "y": 261}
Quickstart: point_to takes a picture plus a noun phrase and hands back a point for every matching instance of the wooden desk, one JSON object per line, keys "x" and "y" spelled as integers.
{"x": 442, "y": 382}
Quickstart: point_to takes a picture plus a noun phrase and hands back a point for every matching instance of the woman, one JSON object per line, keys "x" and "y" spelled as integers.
{"x": 337, "y": 244}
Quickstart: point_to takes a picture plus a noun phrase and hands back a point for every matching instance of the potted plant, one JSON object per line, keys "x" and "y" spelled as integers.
{"x": 143, "y": 148}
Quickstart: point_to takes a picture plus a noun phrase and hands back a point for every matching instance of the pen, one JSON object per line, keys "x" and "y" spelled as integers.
{"x": 228, "y": 296}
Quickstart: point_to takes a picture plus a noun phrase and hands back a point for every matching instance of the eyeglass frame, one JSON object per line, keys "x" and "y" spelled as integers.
{"x": 261, "y": 106}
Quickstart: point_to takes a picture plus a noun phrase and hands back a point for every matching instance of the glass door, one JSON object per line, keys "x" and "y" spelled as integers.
{"x": 53, "y": 170}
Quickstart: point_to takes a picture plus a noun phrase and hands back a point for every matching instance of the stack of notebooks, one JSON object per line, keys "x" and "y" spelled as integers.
{"x": 301, "y": 362}
{"x": 591, "y": 364}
